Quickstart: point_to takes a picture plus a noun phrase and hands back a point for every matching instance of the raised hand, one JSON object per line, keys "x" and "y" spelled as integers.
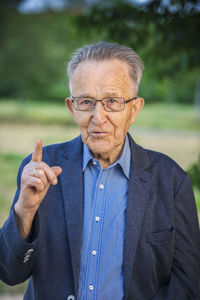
{"x": 35, "y": 181}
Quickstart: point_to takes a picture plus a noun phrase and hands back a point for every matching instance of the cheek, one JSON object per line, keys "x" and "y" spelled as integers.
{"x": 82, "y": 120}
{"x": 121, "y": 125}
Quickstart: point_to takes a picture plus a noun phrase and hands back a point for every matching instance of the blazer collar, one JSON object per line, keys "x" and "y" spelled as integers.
{"x": 139, "y": 155}
{"x": 73, "y": 148}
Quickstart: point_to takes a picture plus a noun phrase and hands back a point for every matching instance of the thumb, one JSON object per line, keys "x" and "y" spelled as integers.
{"x": 57, "y": 170}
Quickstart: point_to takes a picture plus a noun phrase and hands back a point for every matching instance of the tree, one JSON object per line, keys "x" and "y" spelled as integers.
{"x": 161, "y": 30}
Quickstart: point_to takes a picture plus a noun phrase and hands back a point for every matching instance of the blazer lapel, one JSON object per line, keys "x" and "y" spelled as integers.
{"x": 72, "y": 188}
{"x": 140, "y": 183}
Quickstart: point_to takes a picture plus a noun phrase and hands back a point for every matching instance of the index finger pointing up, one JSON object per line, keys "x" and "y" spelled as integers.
{"x": 37, "y": 153}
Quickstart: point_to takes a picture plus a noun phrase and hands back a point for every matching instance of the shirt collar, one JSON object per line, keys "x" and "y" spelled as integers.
{"x": 124, "y": 161}
{"x": 87, "y": 156}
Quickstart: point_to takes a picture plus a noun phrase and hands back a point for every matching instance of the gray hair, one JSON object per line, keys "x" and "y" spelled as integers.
{"x": 107, "y": 51}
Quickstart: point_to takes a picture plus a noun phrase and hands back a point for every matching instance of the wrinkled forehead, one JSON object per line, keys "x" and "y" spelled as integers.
{"x": 106, "y": 75}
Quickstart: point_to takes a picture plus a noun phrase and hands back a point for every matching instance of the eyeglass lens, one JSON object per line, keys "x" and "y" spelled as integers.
{"x": 110, "y": 104}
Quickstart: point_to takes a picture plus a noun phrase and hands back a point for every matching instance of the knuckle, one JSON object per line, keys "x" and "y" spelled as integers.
{"x": 43, "y": 164}
{"x": 40, "y": 172}
{"x": 39, "y": 184}
{"x": 44, "y": 167}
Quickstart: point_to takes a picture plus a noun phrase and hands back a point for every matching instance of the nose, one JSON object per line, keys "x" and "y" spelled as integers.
{"x": 99, "y": 114}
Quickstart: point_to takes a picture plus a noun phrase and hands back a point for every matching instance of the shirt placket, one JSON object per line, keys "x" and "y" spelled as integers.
{"x": 97, "y": 223}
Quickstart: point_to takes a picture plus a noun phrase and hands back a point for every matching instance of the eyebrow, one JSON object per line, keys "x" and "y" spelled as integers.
{"x": 85, "y": 95}
{"x": 112, "y": 94}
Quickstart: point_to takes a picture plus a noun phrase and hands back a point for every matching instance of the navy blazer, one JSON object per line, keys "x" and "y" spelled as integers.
{"x": 162, "y": 240}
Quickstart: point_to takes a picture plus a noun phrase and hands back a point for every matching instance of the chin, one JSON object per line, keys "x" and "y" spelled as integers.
{"x": 99, "y": 147}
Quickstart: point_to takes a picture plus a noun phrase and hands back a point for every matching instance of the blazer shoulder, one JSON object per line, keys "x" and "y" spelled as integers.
{"x": 54, "y": 152}
{"x": 167, "y": 171}
{"x": 150, "y": 159}
{"x": 159, "y": 166}
{"x": 165, "y": 165}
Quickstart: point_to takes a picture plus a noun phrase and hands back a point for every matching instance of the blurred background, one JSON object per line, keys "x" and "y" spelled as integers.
{"x": 38, "y": 37}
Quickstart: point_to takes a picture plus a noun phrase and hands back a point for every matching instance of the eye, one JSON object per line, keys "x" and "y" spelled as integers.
{"x": 85, "y": 101}
{"x": 111, "y": 101}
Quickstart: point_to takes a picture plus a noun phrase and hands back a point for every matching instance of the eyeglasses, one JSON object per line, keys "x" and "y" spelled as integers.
{"x": 112, "y": 104}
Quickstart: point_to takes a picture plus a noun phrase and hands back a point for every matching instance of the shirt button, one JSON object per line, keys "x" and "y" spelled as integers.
{"x": 97, "y": 219}
{"x": 71, "y": 297}
{"x": 101, "y": 186}
{"x": 91, "y": 287}
{"x": 94, "y": 252}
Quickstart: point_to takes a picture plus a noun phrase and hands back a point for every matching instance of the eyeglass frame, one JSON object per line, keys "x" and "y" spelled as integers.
{"x": 101, "y": 100}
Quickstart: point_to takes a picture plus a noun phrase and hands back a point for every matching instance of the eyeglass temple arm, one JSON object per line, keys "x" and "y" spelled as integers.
{"x": 127, "y": 101}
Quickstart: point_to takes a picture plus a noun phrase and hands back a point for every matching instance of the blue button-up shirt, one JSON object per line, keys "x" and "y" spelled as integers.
{"x": 105, "y": 197}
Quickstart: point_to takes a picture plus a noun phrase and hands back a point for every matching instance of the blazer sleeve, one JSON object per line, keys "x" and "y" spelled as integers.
{"x": 16, "y": 255}
{"x": 185, "y": 273}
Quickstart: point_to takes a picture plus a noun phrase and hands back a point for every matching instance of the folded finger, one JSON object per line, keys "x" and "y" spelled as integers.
{"x": 39, "y": 173}
{"x": 48, "y": 173}
{"x": 36, "y": 183}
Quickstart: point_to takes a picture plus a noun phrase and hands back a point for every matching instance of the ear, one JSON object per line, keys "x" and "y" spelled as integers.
{"x": 69, "y": 104}
{"x": 137, "y": 107}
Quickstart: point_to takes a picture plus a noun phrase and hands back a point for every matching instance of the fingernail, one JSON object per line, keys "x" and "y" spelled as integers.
{"x": 54, "y": 181}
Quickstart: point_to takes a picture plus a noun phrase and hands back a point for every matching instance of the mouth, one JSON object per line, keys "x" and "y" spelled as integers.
{"x": 98, "y": 133}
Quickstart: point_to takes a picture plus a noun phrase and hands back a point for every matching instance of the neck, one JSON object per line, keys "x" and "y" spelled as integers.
{"x": 107, "y": 159}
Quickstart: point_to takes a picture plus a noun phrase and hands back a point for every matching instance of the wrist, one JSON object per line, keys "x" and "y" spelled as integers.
{"x": 24, "y": 219}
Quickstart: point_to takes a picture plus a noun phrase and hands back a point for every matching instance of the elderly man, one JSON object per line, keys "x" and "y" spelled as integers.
{"x": 99, "y": 217}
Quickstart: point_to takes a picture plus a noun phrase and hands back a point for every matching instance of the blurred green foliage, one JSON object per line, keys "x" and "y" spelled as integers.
{"x": 9, "y": 163}
{"x": 35, "y": 48}
{"x": 165, "y": 36}
{"x": 165, "y": 31}
{"x": 34, "y": 53}
{"x": 194, "y": 172}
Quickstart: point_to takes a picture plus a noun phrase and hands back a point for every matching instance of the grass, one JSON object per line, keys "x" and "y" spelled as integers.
{"x": 165, "y": 116}
{"x": 35, "y": 112}
{"x": 157, "y": 115}
{"x": 12, "y": 290}
{"x": 9, "y": 164}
